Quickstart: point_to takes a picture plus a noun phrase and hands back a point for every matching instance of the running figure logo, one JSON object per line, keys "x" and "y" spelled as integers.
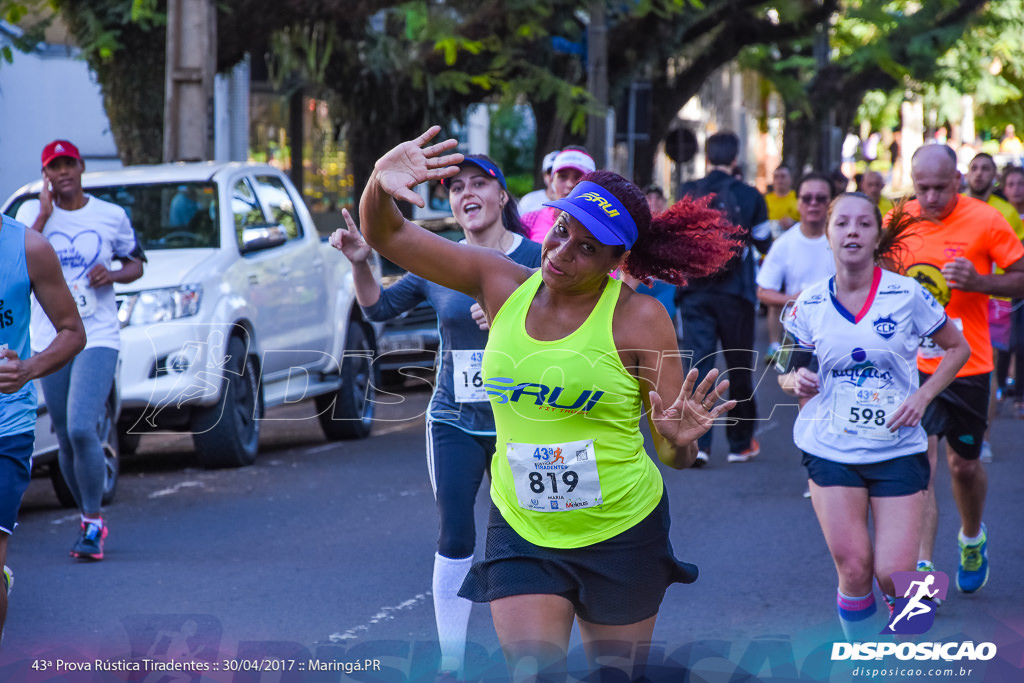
{"x": 914, "y": 613}
{"x": 558, "y": 456}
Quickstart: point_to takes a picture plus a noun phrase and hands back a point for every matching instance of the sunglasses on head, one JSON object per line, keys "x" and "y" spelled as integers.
{"x": 814, "y": 198}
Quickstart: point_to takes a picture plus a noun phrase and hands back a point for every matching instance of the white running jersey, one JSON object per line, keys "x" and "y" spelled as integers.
{"x": 98, "y": 232}
{"x": 867, "y": 367}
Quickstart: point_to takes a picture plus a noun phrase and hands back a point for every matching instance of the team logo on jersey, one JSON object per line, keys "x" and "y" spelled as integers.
{"x": 894, "y": 288}
{"x": 885, "y": 326}
{"x": 863, "y": 375}
{"x": 505, "y": 390}
{"x": 930, "y": 277}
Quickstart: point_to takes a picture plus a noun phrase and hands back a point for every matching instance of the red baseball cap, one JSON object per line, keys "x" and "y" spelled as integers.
{"x": 60, "y": 148}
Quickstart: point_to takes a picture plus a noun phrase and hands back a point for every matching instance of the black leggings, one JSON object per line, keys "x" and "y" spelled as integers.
{"x": 457, "y": 462}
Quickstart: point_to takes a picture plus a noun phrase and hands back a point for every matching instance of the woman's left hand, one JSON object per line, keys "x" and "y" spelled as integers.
{"x": 909, "y": 414}
{"x": 410, "y": 163}
{"x": 694, "y": 410}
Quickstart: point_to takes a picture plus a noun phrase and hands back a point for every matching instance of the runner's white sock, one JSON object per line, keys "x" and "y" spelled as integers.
{"x": 450, "y": 611}
{"x": 973, "y": 540}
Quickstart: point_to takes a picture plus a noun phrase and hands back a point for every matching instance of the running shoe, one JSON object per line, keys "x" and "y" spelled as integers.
{"x": 702, "y": 459}
{"x": 972, "y": 574}
{"x": 746, "y": 455}
{"x": 986, "y": 452}
{"x": 90, "y": 545}
{"x": 8, "y": 579}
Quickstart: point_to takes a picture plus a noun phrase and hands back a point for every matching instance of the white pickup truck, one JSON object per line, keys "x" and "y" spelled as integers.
{"x": 242, "y": 307}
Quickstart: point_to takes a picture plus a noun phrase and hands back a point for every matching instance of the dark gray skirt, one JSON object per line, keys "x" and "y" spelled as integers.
{"x": 619, "y": 581}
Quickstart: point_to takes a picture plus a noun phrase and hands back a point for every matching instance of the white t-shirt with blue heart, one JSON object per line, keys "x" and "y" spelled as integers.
{"x": 96, "y": 233}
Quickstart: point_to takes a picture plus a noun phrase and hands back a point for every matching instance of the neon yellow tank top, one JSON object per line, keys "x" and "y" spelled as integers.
{"x": 570, "y": 467}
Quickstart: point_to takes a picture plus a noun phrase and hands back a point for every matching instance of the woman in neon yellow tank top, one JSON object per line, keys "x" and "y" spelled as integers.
{"x": 579, "y": 521}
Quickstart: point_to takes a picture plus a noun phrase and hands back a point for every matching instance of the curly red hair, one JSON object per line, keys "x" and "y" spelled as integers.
{"x": 688, "y": 240}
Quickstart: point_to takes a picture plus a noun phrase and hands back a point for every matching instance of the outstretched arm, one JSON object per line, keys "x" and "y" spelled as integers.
{"x": 480, "y": 273}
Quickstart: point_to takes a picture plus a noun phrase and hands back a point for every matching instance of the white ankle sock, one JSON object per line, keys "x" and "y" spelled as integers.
{"x": 972, "y": 540}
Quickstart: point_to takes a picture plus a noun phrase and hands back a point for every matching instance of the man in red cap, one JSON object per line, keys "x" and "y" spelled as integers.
{"x": 88, "y": 235}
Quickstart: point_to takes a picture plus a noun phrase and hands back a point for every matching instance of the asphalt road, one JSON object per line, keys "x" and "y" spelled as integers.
{"x": 322, "y": 552}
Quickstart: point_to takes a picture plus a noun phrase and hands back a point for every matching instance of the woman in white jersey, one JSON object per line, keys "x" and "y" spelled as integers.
{"x": 860, "y": 432}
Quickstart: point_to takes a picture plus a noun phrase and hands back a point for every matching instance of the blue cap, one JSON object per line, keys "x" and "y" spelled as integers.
{"x": 486, "y": 165}
{"x": 600, "y": 213}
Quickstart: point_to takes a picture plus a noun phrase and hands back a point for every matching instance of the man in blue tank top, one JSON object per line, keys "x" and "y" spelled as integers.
{"x": 28, "y": 265}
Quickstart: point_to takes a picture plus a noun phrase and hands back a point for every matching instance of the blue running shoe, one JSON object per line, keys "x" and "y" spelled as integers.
{"x": 972, "y": 574}
{"x": 90, "y": 545}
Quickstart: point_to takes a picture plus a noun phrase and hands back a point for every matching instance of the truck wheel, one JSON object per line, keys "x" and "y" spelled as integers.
{"x": 108, "y": 437}
{"x": 227, "y": 433}
{"x": 348, "y": 412}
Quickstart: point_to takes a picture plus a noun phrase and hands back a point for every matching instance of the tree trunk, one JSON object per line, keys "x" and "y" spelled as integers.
{"x": 133, "y": 95}
{"x": 799, "y": 142}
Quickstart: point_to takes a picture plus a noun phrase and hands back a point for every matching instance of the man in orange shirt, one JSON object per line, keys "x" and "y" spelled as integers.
{"x": 952, "y": 256}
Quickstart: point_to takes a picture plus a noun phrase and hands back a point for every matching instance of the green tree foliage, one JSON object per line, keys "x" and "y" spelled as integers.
{"x": 391, "y": 68}
{"x": 123, "y": 42}
{"x": 987, "y": 63}
{"x": 876, "y": 45}
{"x": 677, "y": 46}
{"x": 511, "y": 143}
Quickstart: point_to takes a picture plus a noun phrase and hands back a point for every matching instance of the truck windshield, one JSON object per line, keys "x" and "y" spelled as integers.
{"x": 164, "y": 215}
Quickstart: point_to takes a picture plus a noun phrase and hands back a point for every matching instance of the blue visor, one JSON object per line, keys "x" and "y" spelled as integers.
{"x": 486, "y": 165}
{"x": 600, "y": 213}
